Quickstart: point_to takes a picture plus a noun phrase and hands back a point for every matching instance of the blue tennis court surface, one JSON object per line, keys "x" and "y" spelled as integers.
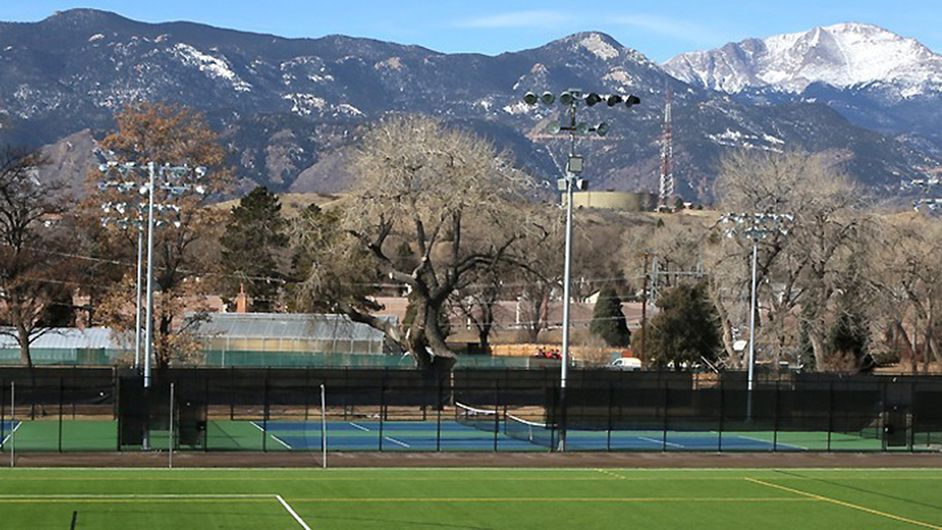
{"x": 6, "y": 428}
{"x": 370, "y": 435}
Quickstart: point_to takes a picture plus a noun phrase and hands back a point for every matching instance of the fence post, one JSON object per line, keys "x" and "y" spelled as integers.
{"x": 830, "y": 412}
{"x": 307, "y": 401}
{"x": 667, "y": 401}
{"x": 12, "y": 424}
{"x": 232, "y": 391}
{"x": 496, "y": 411}
{"x": 265, "y": 410}
{"x": 911, "y": 417}
{"x": 438, "y": 426}
{"x": 611, "y": 398}
{"x": 60, "y": 414}
{"x": 206, "y": 410}
{"x": 116, "y": 386}
{"x": 382, "y": 410}
{"x": 881, "y": 431}
{"x": 775, "y": 417}
{"x": 719, "y": 432}
{"x": 170, "y": 440}
{"x": 3, "y": 423}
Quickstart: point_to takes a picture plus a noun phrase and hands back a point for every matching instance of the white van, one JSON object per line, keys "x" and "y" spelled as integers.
{"x": 629, "y": 364}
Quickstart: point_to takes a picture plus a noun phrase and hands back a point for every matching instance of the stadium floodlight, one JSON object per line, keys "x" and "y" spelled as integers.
{"x": 755, "y": 227}
{"x": 173, "y": 181}
{"x": 570, "y": 100}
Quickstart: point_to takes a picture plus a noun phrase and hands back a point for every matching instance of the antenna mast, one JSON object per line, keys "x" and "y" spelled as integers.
{"x": 666, "y": 188}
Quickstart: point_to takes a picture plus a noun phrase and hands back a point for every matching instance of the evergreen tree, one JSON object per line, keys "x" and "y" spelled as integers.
{"x": 252, "y": 246}
{"x": 685, "y": 329}
{"x": 608, "y": 320}
{"x": 848, "y": 339}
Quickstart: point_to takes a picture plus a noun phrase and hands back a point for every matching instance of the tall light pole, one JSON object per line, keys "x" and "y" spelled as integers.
{"x": 173, "y": 181}
{"x": 570, "y": 101}
{"x": 119, "y": 214}
{"x": 755, "y": 227}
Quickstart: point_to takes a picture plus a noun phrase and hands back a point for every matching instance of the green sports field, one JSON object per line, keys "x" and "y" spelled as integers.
{"x": 470, "y": 498}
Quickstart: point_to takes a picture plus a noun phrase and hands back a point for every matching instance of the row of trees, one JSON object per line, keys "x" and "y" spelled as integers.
{"x": 447, "y": 219}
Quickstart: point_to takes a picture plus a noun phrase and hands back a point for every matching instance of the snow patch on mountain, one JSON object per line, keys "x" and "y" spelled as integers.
{"x": 596, "y": 45}
{"x": 96, "y": 37}
{"x": 213, "y": 67}
{"x": 843, "y": 55}
{"x": 517, "y": 108}
{"x": 305, "y": 104}
{"x": 619, "y": 76}
{"x": 739, "y": 139}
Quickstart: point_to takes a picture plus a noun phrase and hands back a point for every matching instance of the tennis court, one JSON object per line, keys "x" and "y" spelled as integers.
{"x": 470, "y": 498}
{"x": 446, "y": 434}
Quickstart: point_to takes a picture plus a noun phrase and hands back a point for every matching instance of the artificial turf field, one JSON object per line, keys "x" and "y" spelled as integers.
{"x": 159, "y": 499}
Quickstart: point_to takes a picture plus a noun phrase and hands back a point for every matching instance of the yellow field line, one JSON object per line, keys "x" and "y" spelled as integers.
{"x": 610, "y": 474}
{"x": 845, "y": 504}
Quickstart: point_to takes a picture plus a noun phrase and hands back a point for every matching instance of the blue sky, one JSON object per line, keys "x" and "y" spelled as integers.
{"x": 659, "y": 29}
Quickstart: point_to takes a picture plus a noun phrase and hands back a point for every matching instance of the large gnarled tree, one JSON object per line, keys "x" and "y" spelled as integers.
{"x": 448, "y": 197}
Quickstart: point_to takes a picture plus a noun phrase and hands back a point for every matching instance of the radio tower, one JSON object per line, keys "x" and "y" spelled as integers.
{"x": 666, "y": 189}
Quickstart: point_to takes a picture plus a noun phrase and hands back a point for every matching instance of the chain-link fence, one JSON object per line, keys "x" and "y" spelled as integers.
{"x": 269, "y": 410}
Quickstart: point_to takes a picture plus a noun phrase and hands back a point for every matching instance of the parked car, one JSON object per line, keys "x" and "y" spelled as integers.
{"x": 629, "y": 364}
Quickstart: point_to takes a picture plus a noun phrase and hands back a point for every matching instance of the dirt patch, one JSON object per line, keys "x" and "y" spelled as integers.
{"x": 509, "y": 460}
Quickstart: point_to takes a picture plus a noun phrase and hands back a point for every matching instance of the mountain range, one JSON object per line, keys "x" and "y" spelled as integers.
{"x": 289, "y": 110}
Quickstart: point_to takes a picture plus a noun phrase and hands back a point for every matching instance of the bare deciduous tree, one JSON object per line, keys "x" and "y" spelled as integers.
{"x": 797, "y": 269}
{"x": 426, "y": 185}
{"x": 31, "y": 254}
{"x": 167, "y": 134}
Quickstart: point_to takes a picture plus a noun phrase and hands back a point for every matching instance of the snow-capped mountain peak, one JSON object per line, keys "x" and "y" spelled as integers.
{"x": 842, "y": 55}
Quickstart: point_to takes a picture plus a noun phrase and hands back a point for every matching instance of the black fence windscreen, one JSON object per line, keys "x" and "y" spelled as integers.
{"x": 75, "y": 409}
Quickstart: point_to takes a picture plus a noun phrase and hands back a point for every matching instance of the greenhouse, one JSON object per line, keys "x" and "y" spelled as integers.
{"x": 66, "y": 346}
{"x": 275, "y": 339}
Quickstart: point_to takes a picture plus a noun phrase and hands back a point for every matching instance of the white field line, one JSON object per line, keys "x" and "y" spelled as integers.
{"x": 777, "y": 443}
{"x": 141, "y": 496}
{"x": 293, "y": 513}
{"x": 682, "y": 471}
{"x": 397, "y": 442}
{"x": 277, "y": 439}
{"x": 358, "y": 426}
{"x": 659, "y": 442}
{"x": 7, "y": 437}
{"x": 157, "y": 496}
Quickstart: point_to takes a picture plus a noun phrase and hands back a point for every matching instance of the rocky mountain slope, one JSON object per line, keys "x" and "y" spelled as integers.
{"x": 289, "y": 110}
{"x": 875, "y": 78}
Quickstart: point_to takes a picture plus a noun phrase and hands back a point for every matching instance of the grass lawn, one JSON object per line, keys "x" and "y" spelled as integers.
{"x": 470, "y": 498}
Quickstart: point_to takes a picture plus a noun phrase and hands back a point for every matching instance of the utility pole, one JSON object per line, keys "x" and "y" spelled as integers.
{"x": 644, "y": 312}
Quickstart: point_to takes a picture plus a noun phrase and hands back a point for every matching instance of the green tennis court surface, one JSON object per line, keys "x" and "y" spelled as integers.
{"x": 470, "y": 498}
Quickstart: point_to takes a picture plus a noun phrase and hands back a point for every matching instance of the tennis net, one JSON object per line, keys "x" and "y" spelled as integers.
{"x": 537, "y": 433}
{"x": 480, "y": 419}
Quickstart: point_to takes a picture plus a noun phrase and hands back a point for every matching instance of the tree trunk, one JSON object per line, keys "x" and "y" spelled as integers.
{"x": 22, "y": 338}
{"x": 162, "y": 351}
